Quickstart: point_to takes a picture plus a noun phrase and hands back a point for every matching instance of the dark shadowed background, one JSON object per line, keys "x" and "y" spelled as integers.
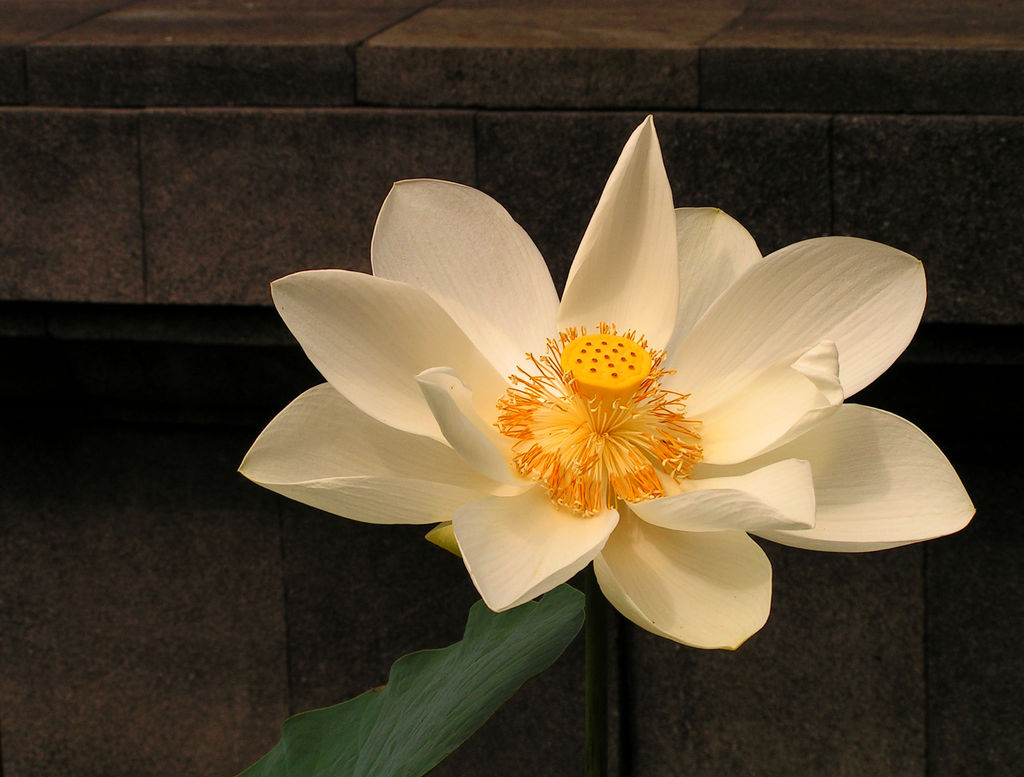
{"x": 161, "y": 161}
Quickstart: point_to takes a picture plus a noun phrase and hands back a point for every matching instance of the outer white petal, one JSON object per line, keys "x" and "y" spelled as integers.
{"x": 865, "y": 297}
{"x": 625, "y": 271}
{"x": 519, "y": 547}
{"x": 713, "y": 250}
{"x": 371, "y": 337}
{"x": 479, "y": 444}
{"x": 779, "y": 496}
{"x": 465, "y": 250}
{"x": 774, "y": 406}
{"x": 879, "y": 482}
{"x": 323, "y": 451}
{"x": 703, "y": 589}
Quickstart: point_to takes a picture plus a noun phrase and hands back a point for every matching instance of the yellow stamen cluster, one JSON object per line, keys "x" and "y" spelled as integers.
{"x": 594, "y": 433}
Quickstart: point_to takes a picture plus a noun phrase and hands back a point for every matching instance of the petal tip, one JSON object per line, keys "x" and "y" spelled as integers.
{"x": 443, "y": 536}
{"x": 647, "y": 131}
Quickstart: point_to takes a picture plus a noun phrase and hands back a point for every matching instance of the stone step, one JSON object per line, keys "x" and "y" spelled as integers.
{"x": 208, "y": 205}
{"x": 161, "y": 161}
{"x": 190, "y": 151}
{"x": 161, "y": 616}
{"x": 786, "y": 55}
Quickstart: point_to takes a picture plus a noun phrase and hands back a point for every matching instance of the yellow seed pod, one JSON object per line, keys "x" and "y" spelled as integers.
{"x": 606, "y": 366}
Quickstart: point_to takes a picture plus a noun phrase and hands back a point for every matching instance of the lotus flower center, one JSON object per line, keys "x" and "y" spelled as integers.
{"x": 591, "y": 421}
{"x": 606, "y": 366}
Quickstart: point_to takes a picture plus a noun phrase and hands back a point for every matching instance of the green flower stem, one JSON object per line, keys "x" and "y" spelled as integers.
{"x": 597, "y": 678}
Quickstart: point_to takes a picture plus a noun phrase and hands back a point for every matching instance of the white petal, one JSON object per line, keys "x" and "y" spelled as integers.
{"x": 779, "y": 496}
{"x": 519, "y": 547}
{"x": 371, "y": 337}
{"x": 774, "y": 406}
{"x": 323, "y": 451}
{"x": 625, "y": 271}
{"x": 713, "y": 250}
{"x": 465, "y": 250}
{"x": 865, "y": 297}
{"x": 478, "y": 443}
{"x": 703, "y": 589}
{"x": 379, "y": 500}
{"x": 879, "y": 482}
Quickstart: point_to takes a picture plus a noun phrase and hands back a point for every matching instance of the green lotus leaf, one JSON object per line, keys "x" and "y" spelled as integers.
{"x": 434, "y": 699}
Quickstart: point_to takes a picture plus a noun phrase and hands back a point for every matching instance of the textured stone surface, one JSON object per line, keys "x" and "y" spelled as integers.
{"x": 69, "y": 206}
{"x": 794, "y": 55}
{"x": 68, "y": 380}
{"x": 12, "y": 74}
{"x": 211, "y": 52}
{"x": 920, "y": 57}
{"x": 833, "y": 684}
{"x": 22, "y": 21}
{"x": 525, "y": 55}
{"x": 361, "y": 596}
{"x": 947, "y": 190}
{"x": 142, "y": 612}
{"x": 21, "y": 320}
{"x": 206, "y": 325}
{"x": 548, "y": 169}
{"x": 235, "y": 199}
{"x": 975, "y": 608}
{"x": 117, "y": 543}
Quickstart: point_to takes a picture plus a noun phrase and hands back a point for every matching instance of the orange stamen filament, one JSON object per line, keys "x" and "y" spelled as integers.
{"x": 591, "y": 443}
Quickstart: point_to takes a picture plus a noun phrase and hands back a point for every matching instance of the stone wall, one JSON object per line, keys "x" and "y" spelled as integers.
{"x": 162, "y": 161}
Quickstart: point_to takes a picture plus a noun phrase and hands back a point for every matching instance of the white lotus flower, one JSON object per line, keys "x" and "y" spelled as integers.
{"x": 683, "y": 393}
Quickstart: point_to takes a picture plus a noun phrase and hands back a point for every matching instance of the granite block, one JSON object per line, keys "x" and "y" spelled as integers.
{"x": 923, "y": 393}
{"x": 200, "y": 325}
{"x": 537, "y": 56}
{"x": 235, "y": 199}
{"x": 868, "y": 57}
{"x": 948, "y": 190}
{"x": 833, "y": 684}
{"x": 70, "y": 381}
{"x": 966, "y": 344}
{"x": 218, "y": 52}
{"x": 142, "y": 611}
{"x": 548, "y": 170}
{"x": 22, "y": 21}
{"x": 183, "y": 382}
{"x": 21, "y": 320}
{"x": 69, "y": 206}
{"x": 12, "y": 75}
{"x": 975, "y": 611}
{"x": 360, "y": 596}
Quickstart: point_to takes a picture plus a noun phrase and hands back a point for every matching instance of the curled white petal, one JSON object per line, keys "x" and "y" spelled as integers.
{"x": 519, "y": 547}
{"x": 466, "y": 251}
{"x": 703, "y": 589}
{"x": 865, "y": 297}
{"x": 323, "y": 451}
{"x": 474, "y": 439}
{"x": 879, "y": 483}
{"x": 778, "y": 496}
{"x": 371, "y": 337}
{"x": 773, "y": 406}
